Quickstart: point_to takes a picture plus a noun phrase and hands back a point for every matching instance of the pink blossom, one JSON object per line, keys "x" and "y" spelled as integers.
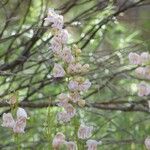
{"x": 85, "y": 85}
{"x": 147, "y": 72}
{"x": 8, "y": 120}
{"x": 145, "y": 57}
{"x": 92, "y": 144}
{"x": 140, "y": 71}
{"x": 63, "y": 36}
{"x": 55, "y": 19}
{"x": 63, "y": 117}
{"x": 134, "y": 58}
{"x": 71, "y": 145}
{"x": 21, "y": 113}
{"x": 58, "y": 71}
{"x": 70, "y": 110}
{"x": 63, "y": 99}
{"x": 58, "y": 140}
{"x": 147, "y": 143}
{"x": 84, "y": 132}
{"x": 20, "y": 125}
{"x": 143, "y": 89}
{"x": 73, "y": 85}
{"x": 56, "y": 47}
{"x": 67, "y": 56}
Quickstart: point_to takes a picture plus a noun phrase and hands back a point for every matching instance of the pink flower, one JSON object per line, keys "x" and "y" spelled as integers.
{"x": 70, "y": 110}
{"x": 58, "y": 140}
{"x": 63, "y": 117}
{"x": 63, "y": 99}
{"x": 85, "y": 85}
{"x": 92, "y": 144}
{"x": 75, "y": 97}
{"x": 147, "y": 143}
{"x": 67, "y": 56}
{"x": 145, "y": 57}
{"x": 134, "y": 58}
{"x": 8, "y": 120}
{"x": 143, "y": 89}
{"x": 73, "y": 85}
{"x": 55, "y": 19}
{"x": 56, "y": 47}
{"x": 147, "y": 72}
{"x": 71, "y": 145}
{"x": 21, "y": 113}
{"x": 20, "y": 125}
{"x": 84, "y": 132}
{"x": 140, "y": 71}
{"x": 63, "y": 36}
{"x": 58, "y": 71}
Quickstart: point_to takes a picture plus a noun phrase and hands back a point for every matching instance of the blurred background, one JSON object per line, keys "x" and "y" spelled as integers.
{"x": 106, "y": 31}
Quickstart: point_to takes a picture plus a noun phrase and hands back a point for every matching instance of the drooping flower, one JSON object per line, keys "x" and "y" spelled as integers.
{"x": 58, "y": 71}
{"x": 58, "y": 140}
{"x": 63, "y": 117}
{"x": 63, "y": 99}
{"x": 92, "y": 144}
{"x": 85, "y": 132}
{"x": 134, "y": 58}
{"x": 145, "y": 57}
{"x": 147, "y": 143}
{"x": 20, "y": 125}
{"x": 143, "y": 89}
{"x": 8, "y": 120}
{"x": 71, "y": 145}
{"x": 21, "y": 113}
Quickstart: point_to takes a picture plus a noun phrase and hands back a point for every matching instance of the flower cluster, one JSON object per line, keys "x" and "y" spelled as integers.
{"x": 143, "y": 71}
{"x": 17, "y": 125}
{"x": 68, "y": 66}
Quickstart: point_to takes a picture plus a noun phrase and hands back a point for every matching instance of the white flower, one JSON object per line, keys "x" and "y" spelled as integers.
{"x": 21, "y": 113}
{"x": 92, "y": 144}
{"x": 85, "y": 85}
{"x": 58, "y": 140}
{"x": 8, "y": 120}
{"x": 63, "y": 99}
{"x": 84, "y": 132}
{"x": 63, "y": 117}
{"x": 143, "y": 89}
{"x": 20, "y": 125}
{"x": 134, "y": 58}
{"x": 145, "y": 57}
{"x": 58, "y": 71}
{"x": 73, "y": 85}
{"x": 71, "y": 145}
